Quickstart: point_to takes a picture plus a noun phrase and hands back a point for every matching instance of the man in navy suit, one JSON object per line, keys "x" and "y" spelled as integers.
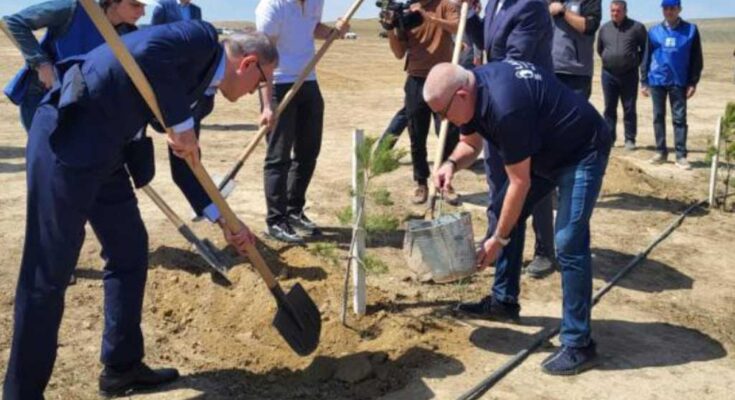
{"x": 76, "y": 174}
{"x": 172, "y": 11}
{"x": 519, "y": 30}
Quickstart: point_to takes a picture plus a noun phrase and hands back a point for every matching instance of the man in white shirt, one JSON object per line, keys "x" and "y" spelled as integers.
{"x": 292, "y": 25}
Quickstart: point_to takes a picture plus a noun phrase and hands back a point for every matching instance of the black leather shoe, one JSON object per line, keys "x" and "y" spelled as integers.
{"x": 489, "y": 308}
{"x": 140, "y": 377}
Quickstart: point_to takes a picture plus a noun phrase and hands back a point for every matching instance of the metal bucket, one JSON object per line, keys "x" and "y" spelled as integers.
{"x": 441, "y": 250}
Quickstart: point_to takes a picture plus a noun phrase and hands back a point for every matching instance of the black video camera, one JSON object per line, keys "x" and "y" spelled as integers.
{"x": 398, "y": 14}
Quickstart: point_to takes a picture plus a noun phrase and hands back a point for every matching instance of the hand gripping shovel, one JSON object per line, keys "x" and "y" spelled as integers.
{"x": 297, "y": 319}
{"x": 287, "y": 99}
{"x": 445, "y": 124}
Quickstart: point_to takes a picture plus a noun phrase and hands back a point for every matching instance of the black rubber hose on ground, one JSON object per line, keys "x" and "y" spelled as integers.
{"x": 546, "y": 334}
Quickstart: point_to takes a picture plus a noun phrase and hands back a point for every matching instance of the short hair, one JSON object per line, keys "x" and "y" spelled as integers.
{"x": 620, "y": 3}
{"x": 250, "y": 41}
{"x": 105, "y": 4}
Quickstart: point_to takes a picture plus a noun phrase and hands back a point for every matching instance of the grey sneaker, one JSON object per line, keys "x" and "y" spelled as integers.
{"x": 284, "y": 232}
{"x": 629, "y": 145}
{"x": 540, "y": 267}
{"x": 682, "y": 163}
{"x": 658, "y": 159}
{"x": 302, "y": 222}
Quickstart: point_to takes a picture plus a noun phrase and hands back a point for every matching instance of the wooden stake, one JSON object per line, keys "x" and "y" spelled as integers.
{"x": 357, "y": 257}
{"x": 715, "y": 165}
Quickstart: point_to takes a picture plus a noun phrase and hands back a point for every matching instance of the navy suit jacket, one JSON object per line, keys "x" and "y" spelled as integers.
{"x": 522, "y": 30}
{"x": 178, "y": 59}
{"x": 169, "y": 11}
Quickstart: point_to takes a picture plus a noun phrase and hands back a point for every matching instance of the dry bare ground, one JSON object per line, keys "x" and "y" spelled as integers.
{"x": 666, "y": 331}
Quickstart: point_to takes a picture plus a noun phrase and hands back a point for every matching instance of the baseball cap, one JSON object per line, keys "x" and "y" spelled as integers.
{"x": 670, "y": 3}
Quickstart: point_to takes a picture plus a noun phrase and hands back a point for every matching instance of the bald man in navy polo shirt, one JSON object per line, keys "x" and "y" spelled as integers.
{"x": 547, "y": 137}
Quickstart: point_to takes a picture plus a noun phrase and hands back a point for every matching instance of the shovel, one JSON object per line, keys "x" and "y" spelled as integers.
{"x": 205, "y": 248}
{"x": 297, "y": 319}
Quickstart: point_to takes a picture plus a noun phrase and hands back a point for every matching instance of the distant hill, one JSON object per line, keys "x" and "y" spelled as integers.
{"x": 718, "y": 30}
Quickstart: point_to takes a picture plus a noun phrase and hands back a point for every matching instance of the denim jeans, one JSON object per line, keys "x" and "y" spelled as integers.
{"x": 621, "y": 88}
{"x": 678, "y": 100}
{"x": 398, "y": 124}
{"x": 543, "y": 213}
{"x": 579, "y": 186}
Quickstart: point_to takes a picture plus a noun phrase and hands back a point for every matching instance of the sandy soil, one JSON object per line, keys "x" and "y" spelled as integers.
{"x": 666, "y": 331}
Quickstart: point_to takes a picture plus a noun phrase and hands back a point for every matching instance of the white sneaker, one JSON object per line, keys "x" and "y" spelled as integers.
{"x": 682, "y": 163}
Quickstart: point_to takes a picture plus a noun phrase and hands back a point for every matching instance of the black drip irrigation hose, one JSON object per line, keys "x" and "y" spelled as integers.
{"x": 545, "y": 334}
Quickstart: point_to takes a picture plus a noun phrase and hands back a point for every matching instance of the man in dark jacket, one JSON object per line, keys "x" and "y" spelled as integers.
{"x": 621, "y": 44}
{"x": 76, "y": 147}
{"x": 173, "y": 11}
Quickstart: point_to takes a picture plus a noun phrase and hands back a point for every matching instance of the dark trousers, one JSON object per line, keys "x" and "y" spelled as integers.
{"x": 182, "y": 175}
{"x": 60, "y": 201}
{"x": 579, "y": 186}
{"x": 30, "y": 103}
{"x": 293, "y": 149}
{"x": 543, "y": 213}
{"x": 678, "y": 100}
{"x": 580, "y": 84}
{"x": 621, "y": 88}
{"x": 419, "y": 119}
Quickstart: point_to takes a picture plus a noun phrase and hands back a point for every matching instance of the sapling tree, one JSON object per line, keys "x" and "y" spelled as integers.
{"x": 374, "y": 158}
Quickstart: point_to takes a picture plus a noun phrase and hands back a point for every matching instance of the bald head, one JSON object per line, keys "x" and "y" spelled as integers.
{"x": 443, "y": 80}
{"x": 446, "y": 85}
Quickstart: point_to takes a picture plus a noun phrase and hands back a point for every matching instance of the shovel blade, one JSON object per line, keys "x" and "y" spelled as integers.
{"x": 298, "y": 320}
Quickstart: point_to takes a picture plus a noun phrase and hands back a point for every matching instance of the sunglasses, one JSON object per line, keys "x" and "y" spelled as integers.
{"x": 263, "y": 79}
{"x": 443, "y": 113}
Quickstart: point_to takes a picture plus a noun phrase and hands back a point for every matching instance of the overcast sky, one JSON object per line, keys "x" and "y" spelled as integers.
{"x": 219, "y": 10}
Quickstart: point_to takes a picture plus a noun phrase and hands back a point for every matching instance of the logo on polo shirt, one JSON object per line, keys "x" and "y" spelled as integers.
{"x": 525, "y": 70}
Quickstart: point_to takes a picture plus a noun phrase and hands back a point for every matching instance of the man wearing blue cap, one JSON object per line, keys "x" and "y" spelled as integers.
{"x": 672, "y": 67}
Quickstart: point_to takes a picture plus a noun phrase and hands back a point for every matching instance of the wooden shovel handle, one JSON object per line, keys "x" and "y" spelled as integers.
{"x": 146, "y": 91}
{"x": 445, "y": 124}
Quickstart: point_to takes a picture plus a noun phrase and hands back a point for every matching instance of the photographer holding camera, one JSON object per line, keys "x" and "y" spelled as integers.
{"x": 422, "y": 32}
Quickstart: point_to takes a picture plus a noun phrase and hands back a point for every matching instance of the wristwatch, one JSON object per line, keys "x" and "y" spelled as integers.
{"x": 454, "y": 163}
{"x": 503, "y": 241}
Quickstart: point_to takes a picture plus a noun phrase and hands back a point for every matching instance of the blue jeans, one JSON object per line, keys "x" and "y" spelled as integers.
{"x": 621, "y": 88}
{"x": 678, "y": 99}
{"x": 543, "y": 213}
{"x": 579, "y": 186}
